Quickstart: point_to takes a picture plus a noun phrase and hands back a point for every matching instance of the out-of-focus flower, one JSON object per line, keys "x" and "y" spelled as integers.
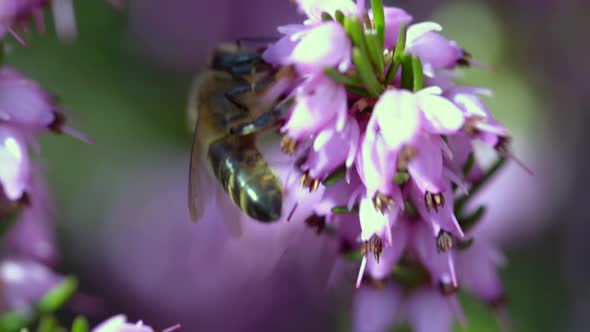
{"x": 281, "y": 268}
{"x": 33, "y": 235}
{"x": 24, "y": 282}
{"x": 18, "y": 14}
{"x": 119, "y": 324}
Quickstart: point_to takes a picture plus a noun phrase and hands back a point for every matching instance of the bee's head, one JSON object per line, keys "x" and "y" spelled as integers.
{"x": 232, "y": 58}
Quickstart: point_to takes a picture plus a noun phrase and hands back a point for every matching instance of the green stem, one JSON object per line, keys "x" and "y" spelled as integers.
{"x": 477, "y": 186}
{"x": 379, "y": 20}
{"x": 367, "y": 73}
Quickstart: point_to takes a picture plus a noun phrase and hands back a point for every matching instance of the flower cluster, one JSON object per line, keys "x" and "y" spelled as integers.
{"x": 377, "y": 119}
{"x": 18, "y": 15}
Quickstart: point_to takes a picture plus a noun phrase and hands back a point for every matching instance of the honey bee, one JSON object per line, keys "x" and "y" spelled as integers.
{"x": 226, "y": 110}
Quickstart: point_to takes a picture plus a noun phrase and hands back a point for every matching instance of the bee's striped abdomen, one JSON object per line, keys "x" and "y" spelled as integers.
{"x": 244, "y": 174}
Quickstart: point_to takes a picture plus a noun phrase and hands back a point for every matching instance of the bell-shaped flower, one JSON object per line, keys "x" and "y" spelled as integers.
{"x": 394, "y": 18}
{"x": 25, "y": 282}
{"x": 436, "y": 209}
{"x": 426, "y": 163}
{"x": 14, "y": 173}
{"x": 400, "y": 237}
{"x": 477, "y": 270}
{"x": 319, "y": 102}
{"x": 428, "y": 310}
{"x": 326, "y": 45}
{"x": 119, "y": 323}
{"x": 315, "y": 8}
{"x": 33, "y": 234}
{"x": 376, "y": 309}
{"x": 441, "y": 265}
{"x": 23, "y": 102}
{"x": 374, "y": 222}
{"x": 395, "y": 118}
{"x": 379, "y": 309}
{"x": 435, "y": 51}
{"x": 480, "y": 123}
{"x": 331, "y": 149}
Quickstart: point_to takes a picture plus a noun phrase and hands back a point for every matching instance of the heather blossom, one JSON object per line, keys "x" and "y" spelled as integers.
{"x": 380, "y": 126}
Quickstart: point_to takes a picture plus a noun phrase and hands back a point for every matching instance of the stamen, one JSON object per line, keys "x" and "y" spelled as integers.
{"x": 374, "y": 245}
{"x": 308, "y": 182}
{"x": 16, "y": 36}
{"x": 434, "y": 201}
{"x": 316, "y": 222}
{"x": 359, "y": 277}
{"x": 382, "y": 202}
{"x": 444, "y": 241}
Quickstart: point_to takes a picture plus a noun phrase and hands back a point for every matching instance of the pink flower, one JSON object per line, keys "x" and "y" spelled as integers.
{"x": 378, "y": 310}
{"x": 32, "y": 236}
{"x": 435, "y": 51}
{"x": 23, "y": 102}
{"x": 394, "y": 18}
{"x": 319, "y": 103}
{"x": 119, "y": 324}
{"x": 24, "y": 282}
{"x": 331, "y": 149}
{"x": 14, "y": 173}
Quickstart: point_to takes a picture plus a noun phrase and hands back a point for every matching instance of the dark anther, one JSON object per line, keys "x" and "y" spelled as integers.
{"x": 382, "y": 202}
{"x": 444, "y": 241}
{"x": 434, "y": 201}
{"x": 374, "y": 245}
{"x": 308, "y": 182}
{"x": 57, "y": 124}
{"x": 316, "y": 222}
{"x": 447, "y": 288}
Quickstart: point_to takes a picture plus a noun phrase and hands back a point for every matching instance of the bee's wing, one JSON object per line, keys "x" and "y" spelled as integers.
{"x": 194, "y": 178}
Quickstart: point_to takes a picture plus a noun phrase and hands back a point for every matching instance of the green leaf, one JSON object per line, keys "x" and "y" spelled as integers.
{"x": 339, "y": 16}
{"x": 401, "y": 178}
{"x": 1, "y": 53}
{"x": 376, "y": 52}
{"x": 366, "y": 72}
{"x": 335, "y": 176}
{"x": 7, "y": 222}
{"x": 326, "y": 17}
{"x": 48, "y": 323}
{"x": 341, "y": 209}
{"x": 353, "y": 255}
{"x": 462, "y": 201}
{"x": 467, "y": 222}
{"x": 469, "y": 164}
{"x": 410, "y": 209}
{"x": 80, "y": 324}
{"x": 379, "y": 20}
{"x": 407, "y": 72}
{"x": 13, "y": 321}
{"x": 354, "y": 28}
{"x": 56, "y": 297}
{"x": 400, "y": 47}
{"x": 338, "y": 77}
{"x": 418, "y": 73}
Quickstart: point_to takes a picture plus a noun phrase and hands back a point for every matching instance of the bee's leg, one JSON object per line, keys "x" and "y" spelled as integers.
{"x": 264, "y": 121}
{"x": 237, "y": 90}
